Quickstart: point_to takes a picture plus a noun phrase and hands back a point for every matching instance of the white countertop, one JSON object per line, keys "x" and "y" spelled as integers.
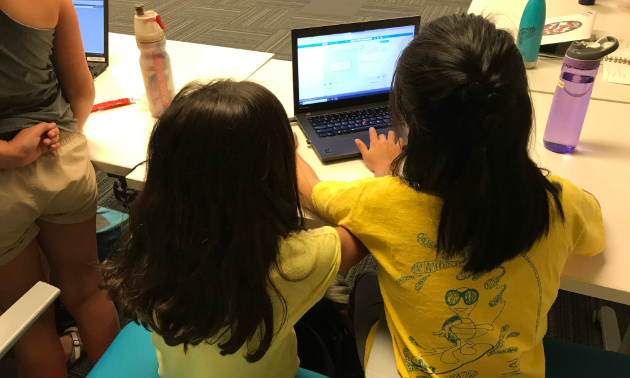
{"x": 610, "y": 20}
{"x": 600, "y": 164}
{"x": 118, "y": 138}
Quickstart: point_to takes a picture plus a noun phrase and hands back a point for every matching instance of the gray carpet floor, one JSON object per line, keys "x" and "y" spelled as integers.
{"x": 264, "y": 25}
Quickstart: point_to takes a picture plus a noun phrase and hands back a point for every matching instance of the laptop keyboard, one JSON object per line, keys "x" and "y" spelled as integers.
{"x": 353, "y": 121}
{"x": 95, "y": 69}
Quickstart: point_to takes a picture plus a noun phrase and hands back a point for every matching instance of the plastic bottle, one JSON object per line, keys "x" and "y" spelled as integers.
{"x": 530, "y": 31}
{"x": 573, "y": 93}
{"x": 155, "y": 63}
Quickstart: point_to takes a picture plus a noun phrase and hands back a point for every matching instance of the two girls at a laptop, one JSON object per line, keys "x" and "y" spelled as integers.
{"x": 469, "y": 234}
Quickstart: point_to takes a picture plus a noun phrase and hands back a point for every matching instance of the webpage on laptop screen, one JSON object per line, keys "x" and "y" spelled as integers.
{"x": 340, "y": 66}
{"x": 91, "y": 15}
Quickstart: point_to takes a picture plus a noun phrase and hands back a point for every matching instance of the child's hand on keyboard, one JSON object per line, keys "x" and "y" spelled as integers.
{"x": 382, "y": 152}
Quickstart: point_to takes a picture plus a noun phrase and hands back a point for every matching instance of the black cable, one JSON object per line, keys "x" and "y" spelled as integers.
{"x": 121, "y": 190}
{"x": 136, "y": 166}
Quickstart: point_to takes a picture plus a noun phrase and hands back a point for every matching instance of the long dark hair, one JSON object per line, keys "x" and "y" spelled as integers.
{"x": 220, "y": 193}
{"x": 461, "y": 89}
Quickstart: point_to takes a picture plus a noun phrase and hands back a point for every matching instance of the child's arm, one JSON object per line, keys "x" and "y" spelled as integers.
{"x": 352, "y": 250}
{"x": 28, "y": 145}
{"x": 382, "y": 152}
{"x": 307, "y": 179}
{"x": 68, "y": 59}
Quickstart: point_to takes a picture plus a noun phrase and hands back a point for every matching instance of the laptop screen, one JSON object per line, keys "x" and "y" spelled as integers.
{"x": 91, "y": 15}
{"x": 347, "y": 65}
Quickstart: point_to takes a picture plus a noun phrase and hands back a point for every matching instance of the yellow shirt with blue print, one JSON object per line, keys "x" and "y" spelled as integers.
{"x": 444, "y": 322}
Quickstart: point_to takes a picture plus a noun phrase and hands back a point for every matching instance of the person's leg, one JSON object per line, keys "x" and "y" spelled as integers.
{"x": 72, "y": 256}
{"x": 38, "y": 352}
{"x": 365, "y": 307}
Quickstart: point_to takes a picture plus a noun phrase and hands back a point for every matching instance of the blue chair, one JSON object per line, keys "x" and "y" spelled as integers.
{"x": 132, "y": 355}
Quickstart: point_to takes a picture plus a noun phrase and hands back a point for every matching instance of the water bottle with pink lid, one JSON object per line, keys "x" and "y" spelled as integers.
{"x": 573, "y": 93}
{"x": 155, "y": 63}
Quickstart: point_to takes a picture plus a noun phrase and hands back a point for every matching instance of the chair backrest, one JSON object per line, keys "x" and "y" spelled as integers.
{"x": 312, "y": 350}
{"x": 19, "y": 317}
{"x": 382, "y": 359}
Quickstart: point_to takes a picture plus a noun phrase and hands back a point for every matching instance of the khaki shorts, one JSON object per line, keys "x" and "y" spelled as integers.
{"x": 59, "y": 187}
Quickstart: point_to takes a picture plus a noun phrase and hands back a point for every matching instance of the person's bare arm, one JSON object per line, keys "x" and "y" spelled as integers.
{"x": 352, "y": 250}
{"x": 28, "y": 145}
{"x": 68, "y": 59}
{"x": 307, "y": 179}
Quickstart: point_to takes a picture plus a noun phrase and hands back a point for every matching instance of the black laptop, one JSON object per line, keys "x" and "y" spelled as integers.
{"x": 342, "y": 75}
{"x": 93, "y": 21}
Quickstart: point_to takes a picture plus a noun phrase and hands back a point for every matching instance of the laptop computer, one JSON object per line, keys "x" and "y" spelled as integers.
{"x": 342, "y": 75}
{"x": 94, "y": 25}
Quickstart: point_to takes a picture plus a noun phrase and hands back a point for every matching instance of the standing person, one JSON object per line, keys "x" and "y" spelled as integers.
{"x": 47, "y": 183}
{"x": 218, "y": 263}
{"x": 469, "y": 234}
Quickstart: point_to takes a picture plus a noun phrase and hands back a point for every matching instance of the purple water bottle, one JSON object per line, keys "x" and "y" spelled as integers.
{"x": 573, "y": 93}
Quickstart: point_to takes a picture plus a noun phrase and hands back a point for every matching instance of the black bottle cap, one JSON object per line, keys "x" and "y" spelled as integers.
{"x": 593, "y": 50}
{"x": 139, "y": 9}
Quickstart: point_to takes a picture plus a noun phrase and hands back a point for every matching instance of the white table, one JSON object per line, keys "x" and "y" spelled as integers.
{"x": 610, "y": 20}
{"x": 277, "y": 76}
{"x": 118, "y": 138}
{"x": 601, "y": 164}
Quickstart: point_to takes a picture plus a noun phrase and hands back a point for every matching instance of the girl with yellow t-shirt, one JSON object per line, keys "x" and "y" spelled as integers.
{"x": 469, "y": 234}
{"x": 219, "y": 264}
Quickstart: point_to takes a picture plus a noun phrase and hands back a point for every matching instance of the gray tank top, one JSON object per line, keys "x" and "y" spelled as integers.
{"x": 29, "y": 92}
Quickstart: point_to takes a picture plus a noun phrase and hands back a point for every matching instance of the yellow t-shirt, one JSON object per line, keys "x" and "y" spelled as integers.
{"x": 312, "y": 256}
{"x": 445, "y": 323}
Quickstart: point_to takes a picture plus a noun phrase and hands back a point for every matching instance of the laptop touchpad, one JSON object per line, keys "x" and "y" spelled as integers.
{"x": 365, "y": 137}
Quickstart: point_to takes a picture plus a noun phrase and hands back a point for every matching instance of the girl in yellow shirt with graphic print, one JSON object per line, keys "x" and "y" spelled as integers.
{"x": 469, "y": 234}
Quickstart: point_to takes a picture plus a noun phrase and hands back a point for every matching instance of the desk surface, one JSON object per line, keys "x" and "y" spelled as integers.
{"x": 118, "y": 138}
{"x": 601, "y": 164}
{"x": 610, "y": 20}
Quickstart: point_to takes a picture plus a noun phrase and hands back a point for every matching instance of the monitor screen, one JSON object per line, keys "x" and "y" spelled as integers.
{"x": 91, "y": 15}
{"x": 341, "y": 66}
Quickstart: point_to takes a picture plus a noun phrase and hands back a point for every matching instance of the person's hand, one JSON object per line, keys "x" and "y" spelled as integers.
{"x": 382, "y": 152}
{"x": 32, "y": 142}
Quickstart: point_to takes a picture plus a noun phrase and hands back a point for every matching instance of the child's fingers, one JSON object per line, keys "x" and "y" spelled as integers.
{"x": 391, "y": 136}
{"x": 373, "y": 135}
{"x": 53, "y": 133}
{"x": 44, "y": 127}
{"x": 47, "y": 142}
{"x": 362, "y": 147}
{"x": 401, "y": 142}
{"x": 382, "y": 137}
{"x": 54, "y": 146}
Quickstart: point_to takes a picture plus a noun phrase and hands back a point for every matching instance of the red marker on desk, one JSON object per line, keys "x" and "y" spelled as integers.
{"x": 114, "y": 104}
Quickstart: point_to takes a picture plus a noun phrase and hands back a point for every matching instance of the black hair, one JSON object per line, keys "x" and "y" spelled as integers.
{"x": 461, "y": 89}
{"x": 220, "y": 194}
